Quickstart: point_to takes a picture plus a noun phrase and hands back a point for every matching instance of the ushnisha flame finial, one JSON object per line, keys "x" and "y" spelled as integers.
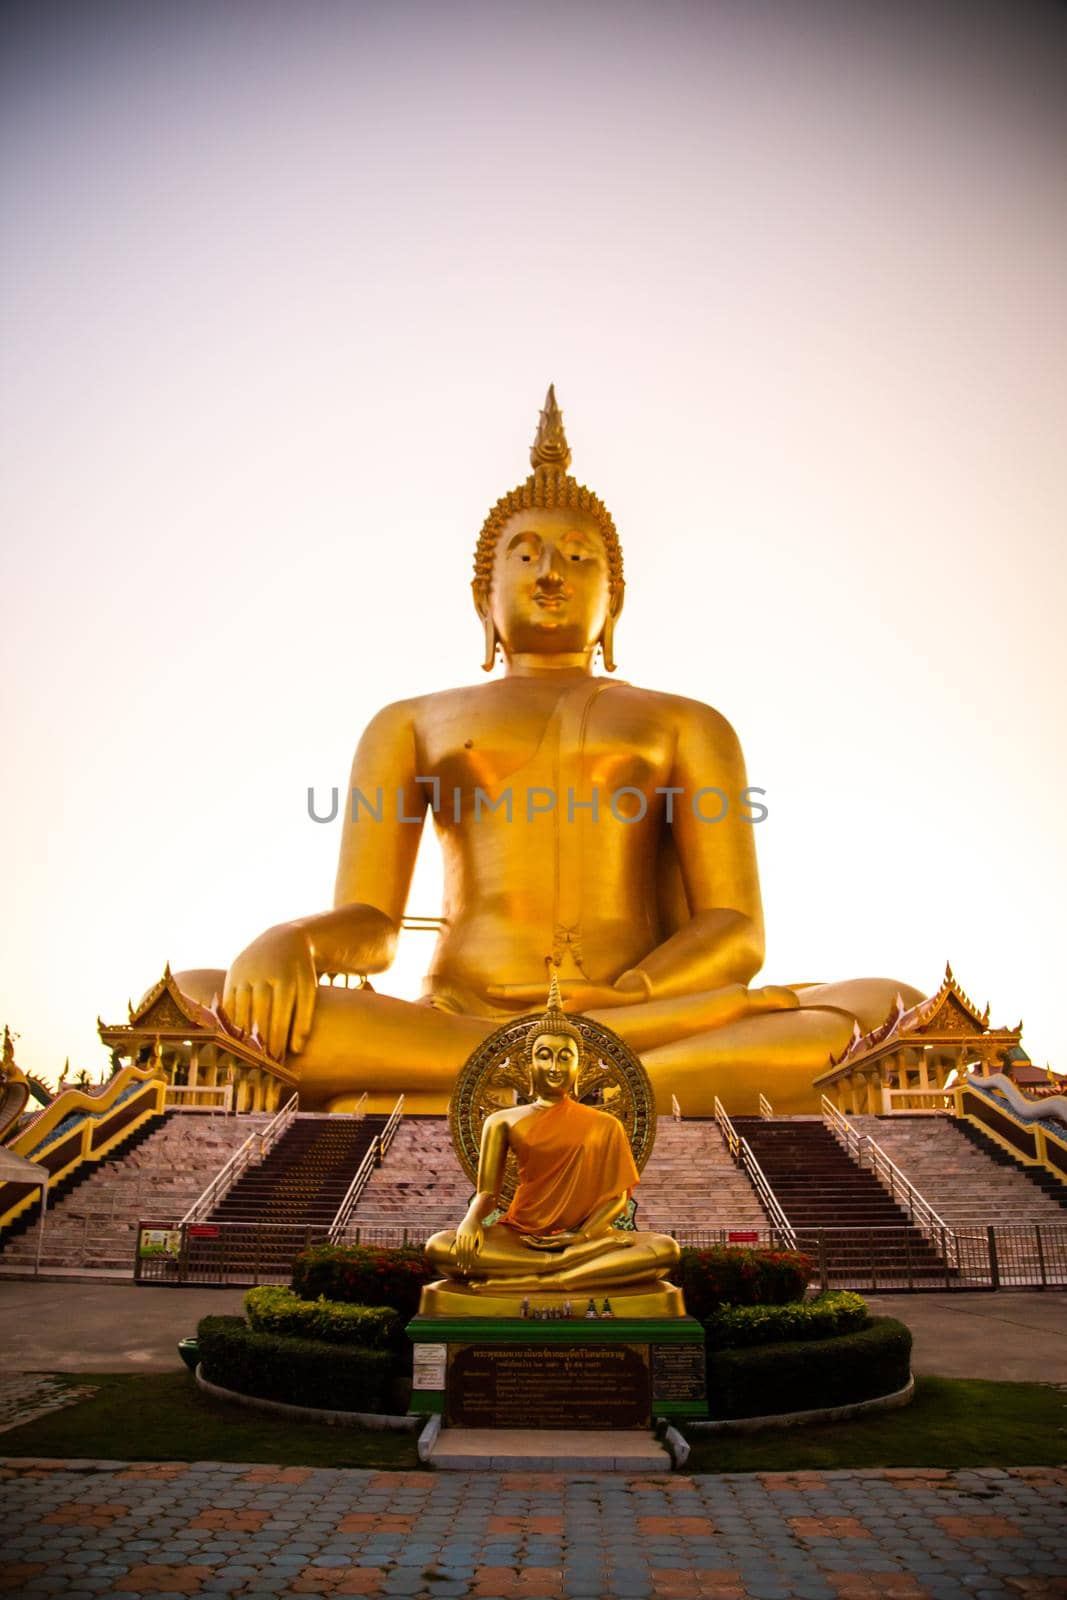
{"x": 553, "y": 1019}
{"x": 550, "y": 447}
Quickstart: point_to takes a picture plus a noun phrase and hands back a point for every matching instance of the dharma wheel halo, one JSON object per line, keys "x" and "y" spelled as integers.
{"x": 497, "y": 1074}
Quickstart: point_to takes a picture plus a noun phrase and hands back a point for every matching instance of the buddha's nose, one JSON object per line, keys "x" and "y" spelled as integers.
{"x": 548, "y": 572}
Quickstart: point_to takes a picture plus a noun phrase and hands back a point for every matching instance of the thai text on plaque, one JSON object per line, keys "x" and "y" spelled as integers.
{"x": 549, "y": 1386}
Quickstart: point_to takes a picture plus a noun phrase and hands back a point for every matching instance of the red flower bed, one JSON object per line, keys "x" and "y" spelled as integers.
{"x": 726, "y": 1275}
{"x": 365, "y": 1275}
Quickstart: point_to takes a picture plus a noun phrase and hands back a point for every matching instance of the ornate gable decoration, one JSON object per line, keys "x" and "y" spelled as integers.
{"x": 949, "y": 1011}
{"x": 947, "y": 1015}
{"x": 952, "y": 1017}
{"x": 166, "y": 1009}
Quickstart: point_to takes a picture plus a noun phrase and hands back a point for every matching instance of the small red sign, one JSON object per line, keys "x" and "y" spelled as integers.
{"x": 199, "y": 1230}
{"x": 748, "y": 1237}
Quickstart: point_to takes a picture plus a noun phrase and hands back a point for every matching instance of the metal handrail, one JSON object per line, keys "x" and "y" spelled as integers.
{"x": 374, "y": 1157}
{"x": 729, "y": 1133}
{"x": 255, "y": 1147}
{"x": 765, "y": 1108}
{"x": 676, "y": 1110}
{"x": 388, "y": 1133}
{"x": 359, "y": 1110}
{"x": 767, "y": 1197}
{"x": 866, "y": 1151}
{"x": 741, "y": 1152}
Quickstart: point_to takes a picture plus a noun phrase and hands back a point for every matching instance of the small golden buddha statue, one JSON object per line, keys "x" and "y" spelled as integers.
{"x": 557, "y": 1237}
{"x": 603, "y": 822}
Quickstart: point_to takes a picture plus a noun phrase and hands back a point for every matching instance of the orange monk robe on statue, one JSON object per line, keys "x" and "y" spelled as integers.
{"x": 571, "y": 1159}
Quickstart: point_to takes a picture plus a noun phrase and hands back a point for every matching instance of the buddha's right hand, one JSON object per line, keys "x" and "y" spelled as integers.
{"x": 470, "y": 1236}
{"x": 272, "y": 986}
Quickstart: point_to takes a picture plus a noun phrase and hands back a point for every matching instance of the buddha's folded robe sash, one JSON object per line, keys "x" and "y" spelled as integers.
{"x": 571, "y": 1159}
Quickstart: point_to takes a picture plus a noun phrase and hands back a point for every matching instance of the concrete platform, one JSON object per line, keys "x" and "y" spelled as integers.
{"x": 547, "y": 1450}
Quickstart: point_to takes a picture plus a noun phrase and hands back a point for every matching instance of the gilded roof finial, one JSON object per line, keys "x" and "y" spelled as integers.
{"x": 550, "y": 447}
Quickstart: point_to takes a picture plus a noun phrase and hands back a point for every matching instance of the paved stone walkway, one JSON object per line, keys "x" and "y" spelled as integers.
{"x": 83, "y": 1529}
{"x": 25, "y": 1396}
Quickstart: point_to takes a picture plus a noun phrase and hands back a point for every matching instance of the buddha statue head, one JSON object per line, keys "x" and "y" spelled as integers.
{"x": 548, "y": 567}
{"x": 554, "y": 1050}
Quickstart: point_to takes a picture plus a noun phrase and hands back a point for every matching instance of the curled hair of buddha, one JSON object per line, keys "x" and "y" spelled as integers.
{"x": 549, "y": 486}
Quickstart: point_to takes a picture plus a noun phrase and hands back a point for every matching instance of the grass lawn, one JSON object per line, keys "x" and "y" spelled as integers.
{"x": 163, "y": 1416}
{"x": 951, "y": 1422}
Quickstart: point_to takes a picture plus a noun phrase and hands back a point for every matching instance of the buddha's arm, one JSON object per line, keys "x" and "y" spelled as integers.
{"x": 492, "y": 1158}
{"x": 723, "y": 941}
{"x": 379, "y": 843}
{"x": 273, "y": 983}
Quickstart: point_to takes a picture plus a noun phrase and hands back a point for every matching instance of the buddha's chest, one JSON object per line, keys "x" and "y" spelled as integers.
{"x": 603, "y": 740}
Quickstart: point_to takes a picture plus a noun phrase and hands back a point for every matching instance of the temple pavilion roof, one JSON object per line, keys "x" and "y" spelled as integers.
{"x": 170, "y": 1015}
{"x": 948, "y": 1019}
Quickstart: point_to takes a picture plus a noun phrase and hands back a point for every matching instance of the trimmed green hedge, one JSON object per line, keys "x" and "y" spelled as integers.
{"x": 728, "y": 1275}
{"x": 837, "y": 1312}
{"x": 271, "y": 1309}
{"x": 301, "y": 1372}
{"x": 767, "y": 1380}
{"x": 363, "y": 1275}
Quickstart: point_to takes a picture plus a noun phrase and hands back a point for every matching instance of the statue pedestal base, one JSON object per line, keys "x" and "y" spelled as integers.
{"x": 450, "y": 1298}
{"x": 509, "y": 1372}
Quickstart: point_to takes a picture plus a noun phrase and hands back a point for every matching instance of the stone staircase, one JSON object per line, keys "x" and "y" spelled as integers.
{"x": 967, "y": 1186}
{"x": 689, "y": 1185}
{"x": 94, "y": 1224}
{"x": 840, "y": 1212}
{"x": 285, "y": 1202}
{"x": 420, "y": 1187}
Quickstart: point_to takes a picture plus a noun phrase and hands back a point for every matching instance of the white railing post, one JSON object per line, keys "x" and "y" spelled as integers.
{"x": 676, "y": 1110}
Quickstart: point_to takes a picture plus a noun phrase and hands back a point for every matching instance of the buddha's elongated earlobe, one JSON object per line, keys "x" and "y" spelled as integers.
{"x": 607, "y": 643}
{"x": 491, "y": 642}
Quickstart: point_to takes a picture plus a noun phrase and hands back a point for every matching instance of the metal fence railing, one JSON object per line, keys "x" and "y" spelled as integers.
{"x": 873, "y": 1260}
{"x": 1000, "y": 1256}
{"x": 236, "y": 1253}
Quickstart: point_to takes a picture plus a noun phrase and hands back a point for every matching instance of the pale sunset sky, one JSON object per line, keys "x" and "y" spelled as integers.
{"x": 282, "y": 289}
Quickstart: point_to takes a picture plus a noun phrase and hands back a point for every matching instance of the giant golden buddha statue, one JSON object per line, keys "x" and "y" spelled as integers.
{"x": 578, "y": 815}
